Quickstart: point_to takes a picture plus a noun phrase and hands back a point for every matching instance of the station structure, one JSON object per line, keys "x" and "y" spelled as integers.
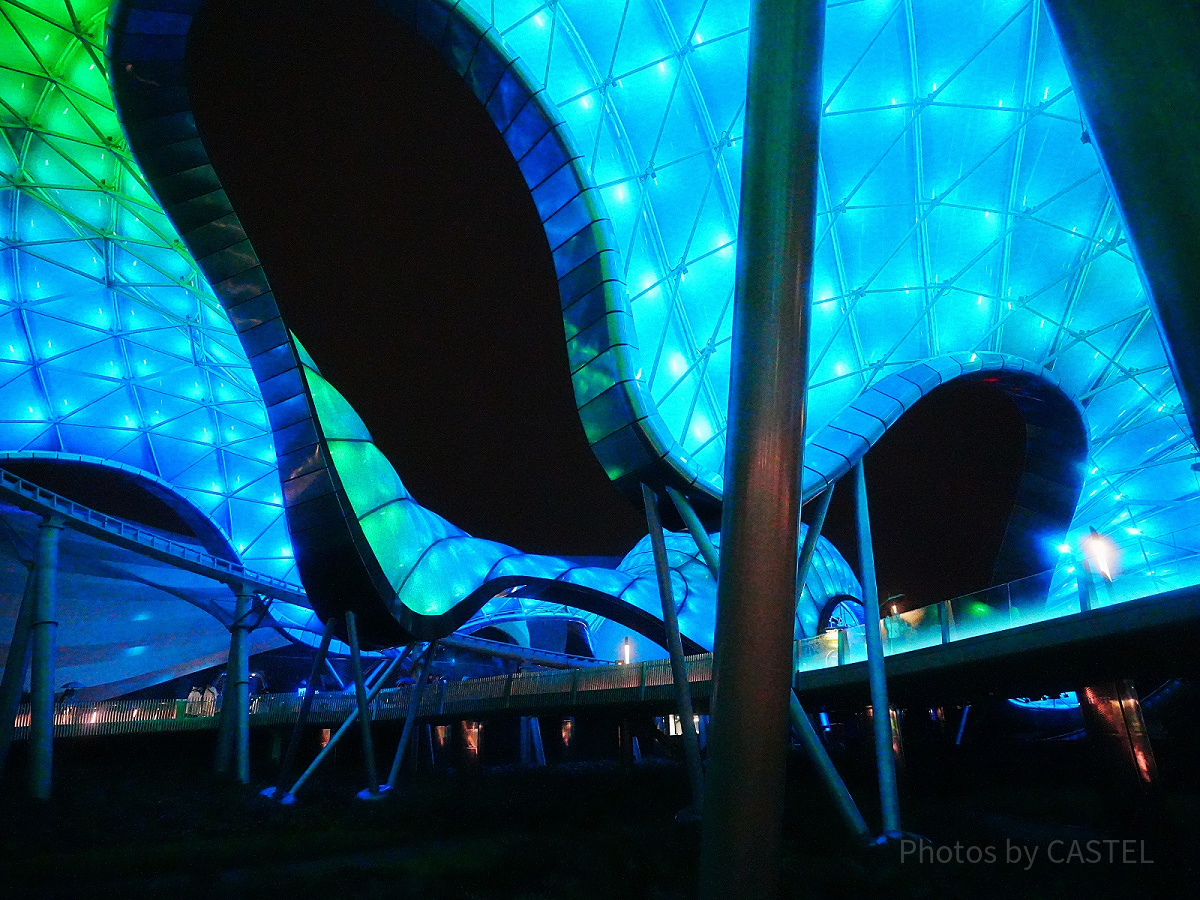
{"x": 770, "y": 240}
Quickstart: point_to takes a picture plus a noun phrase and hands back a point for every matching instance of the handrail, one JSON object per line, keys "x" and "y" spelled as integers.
{"x": 519, "y": 691}
{"x": 549, "y": 658}
{"x": 1037, "y": 598}
{"x": 549, "y": 691}
{"x": 34, "y": 498}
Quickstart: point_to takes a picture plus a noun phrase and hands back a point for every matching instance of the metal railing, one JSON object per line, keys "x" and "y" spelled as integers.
{"x": 33, "y": 498}
{"x": 1048, "y": 595}
{"x": 519, "y": 692}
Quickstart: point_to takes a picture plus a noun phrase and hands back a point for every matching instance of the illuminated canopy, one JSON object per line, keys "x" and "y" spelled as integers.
{"x": 961, "y": 216}
{"x": 112, "y": 347}
{"x": 960, "y": 210}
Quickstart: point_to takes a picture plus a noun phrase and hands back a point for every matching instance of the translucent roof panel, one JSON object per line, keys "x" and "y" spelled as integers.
{"x": 112, "y": 347}
{"x": 959, "y": 211}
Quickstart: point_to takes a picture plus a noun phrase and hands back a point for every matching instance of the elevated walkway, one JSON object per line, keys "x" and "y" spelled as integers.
{"x": 32, "y": 498}
{"x": 1157, "y": 634}
{"x": 36, "y": 499}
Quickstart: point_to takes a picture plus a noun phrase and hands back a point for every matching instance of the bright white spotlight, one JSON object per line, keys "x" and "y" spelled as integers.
{"x": 1102, "y": 553}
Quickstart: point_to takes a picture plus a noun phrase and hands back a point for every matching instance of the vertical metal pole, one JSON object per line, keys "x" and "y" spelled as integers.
{"x": 238, "y": 693}
{"x": 885, "y": 759}
{"x": 337, "y": 679}
{"x": 944, "y": 620}
{"x": 962, "y": 725}
{"x": 15, "y": 665}
{"x": 535, "y": 740}
{"x": 364, "y": 705}
{"x": 756, "y": 596}
{"x": 1137, "y": 733}
{"x": 525, "y": 748}
{"x": 696, "y": 530}
{"x": 809, "y": 548}
{"x": 414, "y": 707}
{"x": 289, "y": 758}
{"x": 1084, "y": 584}
{"x": 683, "y": 691}
{"x": 225, "y": 727}
{"x": 43, "y": 637}
{"x": 843, "y": 801}
{"x": 846, "y": 808}
{"x": 342, "y": 729}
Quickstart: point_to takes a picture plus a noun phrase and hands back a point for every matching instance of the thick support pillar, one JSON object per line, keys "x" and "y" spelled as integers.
{"x": 526, "y": 750}
{"x": 881, "y": 720}
{"x": 43, "y": 637}
{"x": 752, "y": 666}
{"x": 237, "y": 687}
{"x": 846, "y": 807}
{"x": 532, "y": 753}
{"x": 364, "y": 707}
{"x": 679, "y": 679}
{"x": 16, "y": 664}
{"x": 962, "y": 725}
{"x": 1085, "y": 586}
{"x": 225, "y": 728}
{"x": 414, "y": 707}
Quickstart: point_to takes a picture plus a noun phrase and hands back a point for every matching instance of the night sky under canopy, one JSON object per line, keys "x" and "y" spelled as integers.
{"x": 406, "y": 254}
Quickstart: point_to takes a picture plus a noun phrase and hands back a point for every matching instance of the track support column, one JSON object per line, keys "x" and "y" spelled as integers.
{"x": 372, "y": 693}
{"x": 364, "y": 709}
{"x": 843, "y": 802}
{"x": 237, "y": 685}
{"x": 847, "y": 809}
{"x": 743, "y": 813}
{"x": 289, "y": 758}
{"x": 881, "y": 718}
{"x": 808, "y": 549}
{"x": 414, "y": 707}
{"x": 43, "y": 637}
{"x": 703, "y": 542}
{"x": 683, "y": 691}
{"x": 1133, "y": 68}
{"x": 1116, "y": 729}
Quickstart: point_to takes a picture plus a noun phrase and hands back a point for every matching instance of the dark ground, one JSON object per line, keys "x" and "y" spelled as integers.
{"x": 147, "y": 818}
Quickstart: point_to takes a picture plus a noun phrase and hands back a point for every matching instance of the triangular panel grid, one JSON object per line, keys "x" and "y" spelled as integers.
{"x": 112, "y": 347}
{"x": 961, "y": 208}
{"x": 959, "y": 211}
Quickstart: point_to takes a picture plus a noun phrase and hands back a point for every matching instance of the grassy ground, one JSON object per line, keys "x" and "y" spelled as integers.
{"x": 149, "y": 819}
